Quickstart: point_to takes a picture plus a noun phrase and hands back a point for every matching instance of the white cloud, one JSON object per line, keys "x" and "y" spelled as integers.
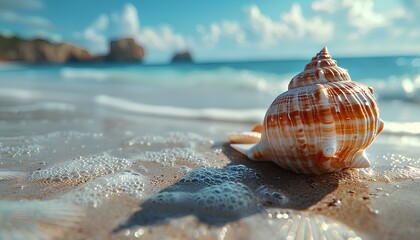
{"x": 292, "y": 26}
{"x": 229, "y": 29}
{"x": 101, "y": 23}
{"x": 211, "y": 35}
{"x": 329, "y": 6}
{"x": 21, "y": 4}
{"x": 13, "y": 12}
{"x": 127, "y": 22}
{"x": 263, "y": 27}
{"x": 93, "y": 36}
{"x": 29, "y": 21}
{"x": 157, "y": 38}
{"x": 161, "y": 38}
{"x": 362, "y": 16}
{"x": 264, "y": 32}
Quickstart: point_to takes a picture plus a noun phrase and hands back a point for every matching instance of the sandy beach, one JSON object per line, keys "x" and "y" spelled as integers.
{"x": 124, "y": 174}
{"x": 217, "y": 120}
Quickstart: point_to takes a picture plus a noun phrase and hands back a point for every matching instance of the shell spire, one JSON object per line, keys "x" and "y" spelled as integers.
{"x": 322, "y": 59}
{"x": 323, "y": 123}
{"x": 321, "y": 69}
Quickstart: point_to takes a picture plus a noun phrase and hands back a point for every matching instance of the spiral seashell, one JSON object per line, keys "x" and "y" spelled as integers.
{"x": 322, "y": 123}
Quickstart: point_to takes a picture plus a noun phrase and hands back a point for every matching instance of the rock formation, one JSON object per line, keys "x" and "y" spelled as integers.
{"x": 125, "y": 50}
{"x": 182, "y": 57}
{"x": 39, "y": 50}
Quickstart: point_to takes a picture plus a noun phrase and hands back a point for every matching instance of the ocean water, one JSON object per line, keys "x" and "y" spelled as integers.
{"x": 149, "y": 140}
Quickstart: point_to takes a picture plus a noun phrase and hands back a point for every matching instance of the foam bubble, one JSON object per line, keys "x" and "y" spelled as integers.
{"x": 221, "y": 201}
{"x": 171, "y": 139}
{"x": 216, "y": 114}
{"x": 400, "y": 173}
{"x": 62, "y": 135}
{"x": 15, "y": 151}
{"x": 172, "y": 156}
{"x": 400, "y": 168}
{"x": 96, "y": 191}
{"x": 212, "y": 176}
{"x": 81, "y": 169}
{"x": 226, "y": 199}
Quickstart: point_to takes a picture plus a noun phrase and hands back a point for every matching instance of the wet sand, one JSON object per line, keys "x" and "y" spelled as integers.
{"x": 348, "y": 204}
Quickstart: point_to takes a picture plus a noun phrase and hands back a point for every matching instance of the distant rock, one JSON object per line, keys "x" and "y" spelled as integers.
{"x": 125, "y": 50}
{"x": 182, "y": 57}
{"x": 40, "y": 50}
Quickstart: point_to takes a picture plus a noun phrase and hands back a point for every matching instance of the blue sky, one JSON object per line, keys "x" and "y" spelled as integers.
{"x": 224, "y": 30}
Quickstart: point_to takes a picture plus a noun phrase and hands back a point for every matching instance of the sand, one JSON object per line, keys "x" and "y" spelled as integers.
{"x": 82, "y": 162}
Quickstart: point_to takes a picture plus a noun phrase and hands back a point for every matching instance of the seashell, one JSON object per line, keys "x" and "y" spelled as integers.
{"x": 322, "y": 123}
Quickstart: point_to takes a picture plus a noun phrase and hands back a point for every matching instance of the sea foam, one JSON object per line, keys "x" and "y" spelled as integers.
{"x": 218, "y": 114}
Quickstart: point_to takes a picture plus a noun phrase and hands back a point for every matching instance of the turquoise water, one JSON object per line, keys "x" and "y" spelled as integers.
{"x": 392, "y": 77}
{"x": 231, "y": 85}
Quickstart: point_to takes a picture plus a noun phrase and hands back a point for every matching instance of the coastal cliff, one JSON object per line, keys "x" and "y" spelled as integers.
{"x": 40, "y": 50}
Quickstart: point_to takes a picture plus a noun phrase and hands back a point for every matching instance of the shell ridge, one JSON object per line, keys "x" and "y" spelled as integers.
{"x": 295, "y": 107}
{"x": 317, "y": 129}
{"x": 287, "y": 137}
{"x": 374, "y": 107}
{"x": 306, "y": 129}
{"x": 361, "y": 143}
{"x": 269, "y": 132}
{"x": 355, "y": 138}
{"x": 370, "y": 124}
{"x": 329, "y": 145}
{"x": 347, "y": 123}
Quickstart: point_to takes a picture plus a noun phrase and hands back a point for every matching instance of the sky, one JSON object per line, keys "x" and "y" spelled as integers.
{"x": 223, "y": 30}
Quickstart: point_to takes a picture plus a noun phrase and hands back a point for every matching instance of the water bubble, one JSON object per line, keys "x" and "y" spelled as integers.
{"x": 96, "y": 191}
{"x": 171, "y": 139}
{"x": 171, "y": 156}
{"x": 212, "y": 176}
